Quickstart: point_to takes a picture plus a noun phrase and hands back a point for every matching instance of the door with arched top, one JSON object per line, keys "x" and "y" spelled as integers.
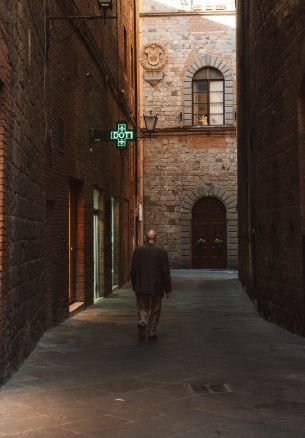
{"x": 209, "y": 236}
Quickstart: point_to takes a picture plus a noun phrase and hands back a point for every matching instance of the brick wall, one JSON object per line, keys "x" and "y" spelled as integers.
{"x": 271, "y": 158}
{"x": 22, "y": 290}
{"x": 181, "y": 159}
{"x": 4, "y": 119}
{"x": 44, "y": 132}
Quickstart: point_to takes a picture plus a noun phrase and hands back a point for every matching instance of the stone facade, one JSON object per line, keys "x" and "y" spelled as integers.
{"x": 181, "y": 160}
{"x": 54, "y": 88}
{"x": 271, "y": 158}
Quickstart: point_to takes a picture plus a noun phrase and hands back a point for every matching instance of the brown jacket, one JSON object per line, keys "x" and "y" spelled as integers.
{"x": 150, "y": 273}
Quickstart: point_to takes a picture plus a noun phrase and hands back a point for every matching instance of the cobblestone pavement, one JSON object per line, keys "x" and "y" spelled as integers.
{"x": 218, "y": 369}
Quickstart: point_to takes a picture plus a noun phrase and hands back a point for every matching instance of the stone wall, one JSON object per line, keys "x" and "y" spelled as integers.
{"x": 51, "y": 96}
{"x": 271, "y": 158}
{"x": 186, "y": 38}
{"x": 181, "y": 159}
{"x": 173, "y": 167}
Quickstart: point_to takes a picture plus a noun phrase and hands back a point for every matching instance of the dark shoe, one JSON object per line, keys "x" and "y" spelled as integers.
{"x": 142, "y": 332}
{"x": 153, "y": 338}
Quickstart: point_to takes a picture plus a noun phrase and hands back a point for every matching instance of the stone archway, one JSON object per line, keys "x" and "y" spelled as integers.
{"x": 208, "y": 60}
{"x": 230, "y": 203}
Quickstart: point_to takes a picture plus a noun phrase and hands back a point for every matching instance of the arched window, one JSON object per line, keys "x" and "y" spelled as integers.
{"x": 208, "y": 97}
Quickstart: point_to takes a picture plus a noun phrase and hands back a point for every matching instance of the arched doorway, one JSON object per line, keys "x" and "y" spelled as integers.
{"x": 209, "y": 236}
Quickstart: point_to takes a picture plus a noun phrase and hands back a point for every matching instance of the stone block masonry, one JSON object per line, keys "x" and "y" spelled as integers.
{"x": 173, "y": 169}
{"x": 182, "y": 159}
{"x": 188, "y": 39}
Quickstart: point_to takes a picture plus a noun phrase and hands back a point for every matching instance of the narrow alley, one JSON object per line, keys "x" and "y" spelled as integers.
{"x": 218, "y": 369}
{"x": 140, "y": 138}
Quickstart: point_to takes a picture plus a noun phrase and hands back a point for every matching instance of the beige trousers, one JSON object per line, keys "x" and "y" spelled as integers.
{"x": 149, "y": 311}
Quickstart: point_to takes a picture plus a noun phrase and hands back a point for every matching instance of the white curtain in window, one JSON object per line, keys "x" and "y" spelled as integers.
{"x": 216, "y": 103}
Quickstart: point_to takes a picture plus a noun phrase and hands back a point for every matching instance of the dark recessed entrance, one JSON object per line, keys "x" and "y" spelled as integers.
{"x": 209, "y": 237}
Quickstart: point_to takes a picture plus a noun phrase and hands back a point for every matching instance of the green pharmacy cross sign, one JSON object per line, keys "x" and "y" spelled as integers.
{"x": 122, "y": 135}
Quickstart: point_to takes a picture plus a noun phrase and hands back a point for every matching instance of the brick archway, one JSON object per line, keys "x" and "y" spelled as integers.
{"x": 230, "y": 202}
{"x": 198, "y": 64}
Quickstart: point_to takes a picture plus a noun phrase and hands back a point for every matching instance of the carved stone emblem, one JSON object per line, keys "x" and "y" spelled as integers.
{"x": 209, "y": 189}
{"x": 153, "y": 57}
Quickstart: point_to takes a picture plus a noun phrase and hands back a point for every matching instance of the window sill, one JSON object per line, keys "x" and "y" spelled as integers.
{"x": 208, "y": 126}
{"x": 196, "y": 130}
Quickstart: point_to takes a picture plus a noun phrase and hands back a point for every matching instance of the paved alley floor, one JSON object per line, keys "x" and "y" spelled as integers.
{"x": 218, "y": 370}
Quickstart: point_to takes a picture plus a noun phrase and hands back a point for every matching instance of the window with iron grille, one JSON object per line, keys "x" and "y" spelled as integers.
{"x": 208, "y": 97}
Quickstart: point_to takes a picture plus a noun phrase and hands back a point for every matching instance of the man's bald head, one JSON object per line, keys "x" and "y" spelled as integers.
{"x": 151, "y": 236}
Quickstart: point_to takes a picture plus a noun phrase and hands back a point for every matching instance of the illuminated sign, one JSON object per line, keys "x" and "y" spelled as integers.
{"x": 122, "y": 135}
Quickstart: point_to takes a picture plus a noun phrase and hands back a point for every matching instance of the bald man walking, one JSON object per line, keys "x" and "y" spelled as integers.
{"x": 151, "y": 281}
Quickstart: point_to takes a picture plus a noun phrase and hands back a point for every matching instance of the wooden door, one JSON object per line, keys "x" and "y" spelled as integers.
{"x": 72, "y": 241}
{"x": 209, "y": 237}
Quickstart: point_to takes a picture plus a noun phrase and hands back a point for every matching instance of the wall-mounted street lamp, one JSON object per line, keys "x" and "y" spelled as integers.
{"x": 150, "y": 121}
{"x": 103, "y": 6}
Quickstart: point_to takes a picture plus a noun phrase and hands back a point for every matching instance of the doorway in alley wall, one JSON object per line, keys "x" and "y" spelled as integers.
{"x": 76, "y": 243}
{"x": 209, "y": 240}
{"x": 98, "y": 245}
{"x": 125, "y": 241}
{"x": 115, "y": 240}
